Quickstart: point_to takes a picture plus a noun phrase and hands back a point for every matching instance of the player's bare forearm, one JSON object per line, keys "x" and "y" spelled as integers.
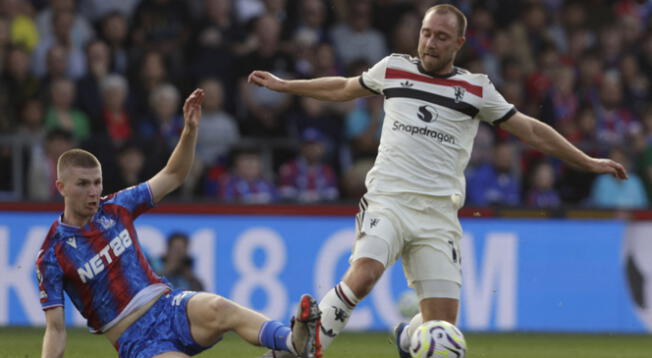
{"x": 549, "y": 141}
{"x": 54, "y": 343}
{"x": 544, "y": 138}
{"x": 322, "y": 88}
{"x": 54, "y": 339}
{"x": 180, "y": 162}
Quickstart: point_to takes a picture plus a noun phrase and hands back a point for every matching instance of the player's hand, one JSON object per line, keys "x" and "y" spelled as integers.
{"x": 608, "y": 166}
{"x": 192, "y": 109}
{"x": 267, "y": 80}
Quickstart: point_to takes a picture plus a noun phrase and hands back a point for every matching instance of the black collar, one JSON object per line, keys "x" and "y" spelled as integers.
{"x": 450, "y": 74}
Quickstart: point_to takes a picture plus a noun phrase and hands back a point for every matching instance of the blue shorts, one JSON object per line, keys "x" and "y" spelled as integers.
{"x": 163, "y": 328}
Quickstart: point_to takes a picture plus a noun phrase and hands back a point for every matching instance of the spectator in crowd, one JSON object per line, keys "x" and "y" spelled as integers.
{"x": 624, "y": 194}
{"x": 62, "y": 114}
{"x": 636, "y": 86}
{"x": 542, "y": 193}
{"x": 56, "y": 66}
{"x": 363, "y": 127}
{"x": 560, "y": 103}
{"x": 42, "y": 172}
{"x": 178, "y": 264}
{"x": 79, "y": 32}
{"x": 245, "y": 182}
{"x": 163, "y": 26}
{"x": 114, "y": 30}
{"x": 218, "y": 130}
{"x": 89, "y": 98}
{"x": 307, "y": 178}
{"x": 150, "y": 73}
{"x": 21, "y": 26}
{"x": 114, "y": 117}
{"x": 495, "y": 183}
{"x": 614, "y": 120}
{"x": 312, "y": 20}
{"x": 130, "y": 162}
{"x": 265, "y": 108}
{"x": 166, "y": 122}
{"x": 30, "y": 132}
{"x": 17, "y": 85}
{"x": 62, "y": 23}
{"x": 216, "y": 43}
{"x": 356, "y": 38}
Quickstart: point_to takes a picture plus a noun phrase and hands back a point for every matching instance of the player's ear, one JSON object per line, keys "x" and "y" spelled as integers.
{"x": 59, "y": 185}
{"x": 460, "y": 42}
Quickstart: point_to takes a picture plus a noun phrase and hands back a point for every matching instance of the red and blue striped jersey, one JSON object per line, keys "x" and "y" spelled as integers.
{"x": 100, "y": 266}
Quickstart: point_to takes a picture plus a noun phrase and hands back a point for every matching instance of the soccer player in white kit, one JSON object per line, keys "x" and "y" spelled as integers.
{"x": 432, "y": 113}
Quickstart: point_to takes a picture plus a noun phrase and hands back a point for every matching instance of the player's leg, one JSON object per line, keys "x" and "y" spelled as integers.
{"x": 338, "y": 304}
{"x": 211, "y": 316}
{"x": 377, "y": 247}
{"x": 438, "y": 297}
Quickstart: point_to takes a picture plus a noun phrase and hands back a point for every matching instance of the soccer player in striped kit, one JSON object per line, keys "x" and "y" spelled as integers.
{"x": 432, "y": 112}
{"x": 92, "y": 253}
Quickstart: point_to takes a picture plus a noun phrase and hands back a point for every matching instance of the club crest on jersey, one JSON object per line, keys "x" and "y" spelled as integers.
{"x": 72, "y": 242}
{"x": 459, "y": 93}
{"x": 106, "y": 223}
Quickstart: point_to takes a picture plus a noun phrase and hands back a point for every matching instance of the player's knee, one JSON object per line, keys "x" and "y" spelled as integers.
{"x": 221, "y": 312}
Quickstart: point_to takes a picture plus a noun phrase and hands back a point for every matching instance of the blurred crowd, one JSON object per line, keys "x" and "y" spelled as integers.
{"x": 110, "y": 76}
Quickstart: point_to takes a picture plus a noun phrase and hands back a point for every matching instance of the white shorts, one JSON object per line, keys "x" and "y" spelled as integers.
{"x": 424, "y": 231}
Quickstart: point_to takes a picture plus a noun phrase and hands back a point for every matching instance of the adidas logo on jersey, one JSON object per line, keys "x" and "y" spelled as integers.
{"x": 113, "y": 250}
{"x": 407, "y": 83}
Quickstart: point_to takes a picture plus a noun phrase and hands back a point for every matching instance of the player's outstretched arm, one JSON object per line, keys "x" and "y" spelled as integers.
{"x": 54, "y": 340}
{"x": 322, "y": 88}
{"x": 544, "y": 138}
{"x": 180, "y": 162}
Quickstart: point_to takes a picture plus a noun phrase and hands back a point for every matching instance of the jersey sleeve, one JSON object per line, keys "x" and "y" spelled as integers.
{"x": 373, "y": 79}
{"x": 50, "y": 279}
{"x": 136, "y": 199}
{"x": 495, "y": 108}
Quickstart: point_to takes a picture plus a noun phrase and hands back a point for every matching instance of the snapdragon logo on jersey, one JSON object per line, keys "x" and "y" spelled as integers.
{"x": 96, "y": 265}
{"x": 427, "y": 114}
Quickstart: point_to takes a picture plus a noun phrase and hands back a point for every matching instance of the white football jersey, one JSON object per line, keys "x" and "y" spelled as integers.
{"x": 429, "y": 127}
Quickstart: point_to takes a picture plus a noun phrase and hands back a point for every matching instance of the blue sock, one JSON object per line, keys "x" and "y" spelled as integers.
{"x": 273, "y": 335}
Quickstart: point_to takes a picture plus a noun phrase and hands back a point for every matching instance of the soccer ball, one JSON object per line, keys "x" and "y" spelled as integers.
{"x": 434, "y": 339}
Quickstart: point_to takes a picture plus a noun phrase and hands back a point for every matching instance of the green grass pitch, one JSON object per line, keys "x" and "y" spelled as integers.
{"x": 18, "y": 342}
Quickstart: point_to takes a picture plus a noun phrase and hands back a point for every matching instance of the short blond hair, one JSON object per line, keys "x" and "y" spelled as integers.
{"x": 446, "y": 9}
{"x": 76, "y": 158}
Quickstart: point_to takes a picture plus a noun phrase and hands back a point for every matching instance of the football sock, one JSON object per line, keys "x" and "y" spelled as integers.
{"x": 275, "y": 335}
{"x": 415, "y": 322}
{"x": 336, "y": 308}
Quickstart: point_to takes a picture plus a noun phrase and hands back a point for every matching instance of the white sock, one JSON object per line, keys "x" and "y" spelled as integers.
{"x": 290, "y": 345}
{"x": 415, "y": 322}
{"x": 336, "y": 308}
